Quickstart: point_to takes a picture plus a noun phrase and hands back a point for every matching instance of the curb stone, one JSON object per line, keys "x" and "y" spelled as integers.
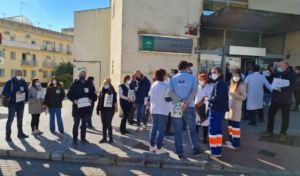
{"x": 27, "y": 154}
{"x": 3, "y": 152}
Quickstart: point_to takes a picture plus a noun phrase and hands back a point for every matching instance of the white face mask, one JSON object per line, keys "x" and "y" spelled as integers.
{"x": 167, "y": 80}
{"x": 128, "y": 82}
{"x": 19, "y": 77}
{"x": 191, "y": 68}
{"x": 201, "y": 83}
{"x": 54, "y": 82}
{"x": 214, "y": 76}
{"x": 236, "y": 78}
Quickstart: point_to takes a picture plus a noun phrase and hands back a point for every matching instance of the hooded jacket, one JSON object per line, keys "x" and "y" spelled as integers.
{"x": 11, "y": 87}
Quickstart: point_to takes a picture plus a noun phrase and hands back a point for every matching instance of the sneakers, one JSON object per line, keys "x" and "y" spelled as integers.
{"x": 138, "y": 129}
{"x": 228, "y": 143}
{"x": 144, "y": 127}
{"x": 8, "y": 139}
{"x": 282, "y": 137}
{"x": 209, "y": 153}
{"x": 84, "y": 141}
{"x": 152, "y": 149}
{"x": 161, "y": 151}
{"x": 180, "y": 156}
{"x": 198, "y": 153}
{"x": 22, "y": 135}
{"x": 266, "y": 134}
{"x": 230, "y": 146}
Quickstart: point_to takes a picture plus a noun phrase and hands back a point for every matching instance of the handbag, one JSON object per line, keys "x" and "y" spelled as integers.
{"x": 6, "y": 100}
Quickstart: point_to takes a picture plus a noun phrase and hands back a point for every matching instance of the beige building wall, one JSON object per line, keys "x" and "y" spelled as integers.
{"x": 156, "y": 17}
{"x": 283, "y": 6}
{"x": 21, "y": 40}
{"x": 292, "y": 48}
{"x": 92, "y": 30}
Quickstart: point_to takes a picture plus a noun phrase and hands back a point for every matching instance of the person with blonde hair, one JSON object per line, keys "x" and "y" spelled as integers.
{"x": 237, "y": 94}
{"x": 55, "y": 94}
{"x": 107, "y": 105}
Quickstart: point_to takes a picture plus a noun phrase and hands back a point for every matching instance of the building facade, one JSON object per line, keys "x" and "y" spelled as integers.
{"x": 34, "y": 51}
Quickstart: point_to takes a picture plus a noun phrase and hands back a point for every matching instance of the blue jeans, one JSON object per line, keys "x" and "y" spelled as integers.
{"x": 12, "y": 110}
{"x": 141, "y": 113}
{"x": 57, "y": 112}
{"x": 189, "y": 117}
{"x": 158, "y": 125}
{"x": 268, "y": 97}
{"x": 215, "y": 132}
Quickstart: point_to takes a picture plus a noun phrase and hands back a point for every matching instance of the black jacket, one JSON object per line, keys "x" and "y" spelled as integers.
{"x": 80, "y": 90}
{"x": 54, "y": 97}
{"x": 100, "y": 106}
{"x": 218, "y": 102}
{"x": 286, "y": 94}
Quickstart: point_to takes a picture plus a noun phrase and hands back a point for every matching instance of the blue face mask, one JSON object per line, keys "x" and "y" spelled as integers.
{"x": 279, "y": 69}
{"x": 37, "y": 84}
{"x": 106, "y": 86}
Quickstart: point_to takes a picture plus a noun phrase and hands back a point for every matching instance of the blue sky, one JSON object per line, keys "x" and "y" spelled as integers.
{"x": 58, "y": 13}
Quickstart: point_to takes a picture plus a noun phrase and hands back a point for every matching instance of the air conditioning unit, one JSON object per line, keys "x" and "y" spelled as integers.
{"x": 40, "y": 70}
{"x": 28, "y": 36}
{"x": 7, "y": 33}
{"x": 29, "y": 53}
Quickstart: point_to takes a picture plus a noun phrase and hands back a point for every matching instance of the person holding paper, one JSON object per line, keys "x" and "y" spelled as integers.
{"x": 78, "y": 93}
{"x": 159, "y": 109}
{"x": 204, "y": 92}
{"x": 35, "y": 105}
{"x": 182, "y": 89}
{"x": 238, "y": 94}
{"x": 141, "y": 99}
{"x": 13, "y": 88}
{"x": 54, "y": 97}
{"x": 255, "y": 94}
{"x": 107, "y": 105}
{"x": 217, "y": 106}
{"x": 282, "y": 99}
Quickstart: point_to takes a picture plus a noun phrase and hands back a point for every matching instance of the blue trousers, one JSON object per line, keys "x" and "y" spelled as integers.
{"x": 234, "y": 133}
{"x": 12, "y": 110}
{"x": 157, "y": 132}
{"x": 57, "y": 112}
{"x": 189, "y": 117}
{"x": 215, "y": 132}
{"x": 141, "y": 114}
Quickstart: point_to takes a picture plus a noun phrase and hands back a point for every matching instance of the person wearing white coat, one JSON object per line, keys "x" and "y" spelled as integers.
{"x": 255, "y": 86}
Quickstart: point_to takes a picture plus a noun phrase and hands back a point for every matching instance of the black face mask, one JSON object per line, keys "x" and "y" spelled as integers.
{"x": 138, "y": 79}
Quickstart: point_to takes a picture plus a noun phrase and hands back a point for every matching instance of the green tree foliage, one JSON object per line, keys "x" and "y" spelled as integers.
{"x": 67, "y": 79}
{"x": 64, "y": 68}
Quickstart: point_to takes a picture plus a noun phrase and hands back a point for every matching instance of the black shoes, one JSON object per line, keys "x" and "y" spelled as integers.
{"x": 84, "y": 141}
{"x": 132, "y": 122}
{"x": 111, "y": 141}
{"x": 74, "y": 143}
{"x": 22, "y": 135}
{"x": 180, "y": 157}
{"x": 198, "y": 153}
{"x": 103, "y": 141}
{"x": 8, "y": 139}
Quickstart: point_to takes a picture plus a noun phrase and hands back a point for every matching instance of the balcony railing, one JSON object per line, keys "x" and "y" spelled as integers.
{"x": 57, "y": 50}
{"x": 21, "y": 45}
{"x": 29, "y": 63}
{"x": 49, "y": 64}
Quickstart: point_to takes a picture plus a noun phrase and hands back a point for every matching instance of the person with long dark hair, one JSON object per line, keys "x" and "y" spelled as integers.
{"x": 107, "y": 105}
{"x": 218, "y": 106}
{"x": 297, "y": 92}
{"x": 237, "y": 94}
{"x": 90, "y": 80}
{"x": 35, "y": 105}
{"x": 55, "y": 94}
{"x": 126, "y": 102}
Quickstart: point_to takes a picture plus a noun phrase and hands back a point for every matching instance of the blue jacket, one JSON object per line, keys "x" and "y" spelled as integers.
{"x": 143, "y": 90}
{"x": 17, "y": 86}
{"x": 218, "y": 102}
{"x": 77, "y": 91}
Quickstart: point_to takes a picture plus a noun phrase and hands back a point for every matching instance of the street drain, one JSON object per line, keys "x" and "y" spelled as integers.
{"x": 267, "y": 153}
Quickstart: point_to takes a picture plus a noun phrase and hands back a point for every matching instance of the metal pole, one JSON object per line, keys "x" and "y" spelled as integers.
{"x": 224, "y": 38}
{"x": 259, "y": 41}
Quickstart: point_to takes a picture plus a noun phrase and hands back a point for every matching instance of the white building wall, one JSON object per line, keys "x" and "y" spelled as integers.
{"x": 156, "y": 17}
{"x": 92, "y": 29}
{"x": 282, "y": 6}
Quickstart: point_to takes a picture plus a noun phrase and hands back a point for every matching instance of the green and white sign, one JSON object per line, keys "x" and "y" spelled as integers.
{"x": 166, "y": 44}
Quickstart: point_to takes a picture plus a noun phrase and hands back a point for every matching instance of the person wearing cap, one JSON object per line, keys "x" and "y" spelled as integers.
{"x": 79, "y": 92}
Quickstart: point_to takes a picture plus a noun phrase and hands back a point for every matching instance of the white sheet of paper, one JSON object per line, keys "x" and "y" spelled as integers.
{"x": 205, "y": 123}
{"x": 20, "y": 98}
{"x": 278, "y": 83}
{"x": 108, "y": 100}
{"x": 266, "y": 73}
{"x": 176, "y": 110}
{"x": 40, "y": 94}
{"x": 145, "y": 100}
{"x": 86, "y": 104}
{"x": 83, "y": 100}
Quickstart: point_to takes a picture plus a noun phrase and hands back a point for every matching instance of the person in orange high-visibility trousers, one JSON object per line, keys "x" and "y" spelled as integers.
{"x": 237, "y": 94}
{"x": 218, "y": 106}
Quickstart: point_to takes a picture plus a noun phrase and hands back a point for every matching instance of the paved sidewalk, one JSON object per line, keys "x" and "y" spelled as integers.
{"x": 255, "y": 155}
